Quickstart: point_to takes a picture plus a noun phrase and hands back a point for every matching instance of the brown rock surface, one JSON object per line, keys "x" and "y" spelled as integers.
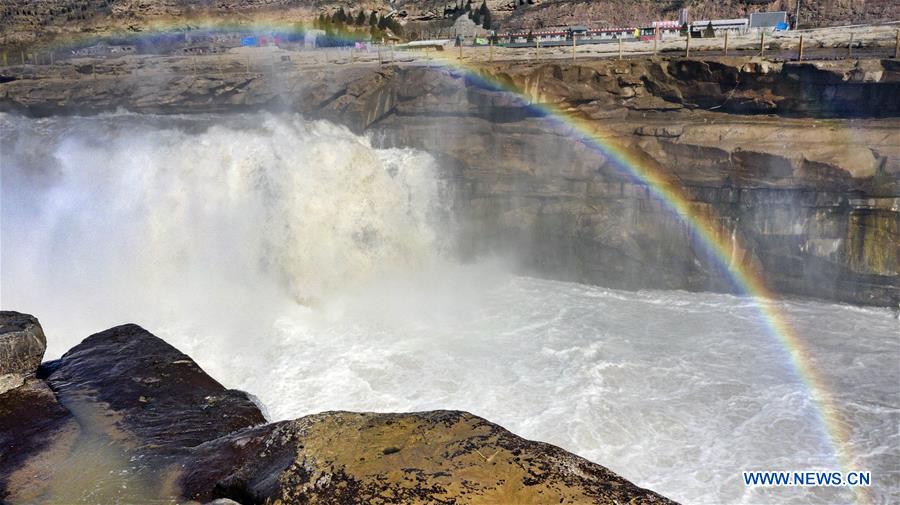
{"x": 417, "y": 458}
{"x": 22, "y": 346}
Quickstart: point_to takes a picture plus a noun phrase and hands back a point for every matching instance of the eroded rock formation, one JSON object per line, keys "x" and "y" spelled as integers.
{"x": 124, "y": 416}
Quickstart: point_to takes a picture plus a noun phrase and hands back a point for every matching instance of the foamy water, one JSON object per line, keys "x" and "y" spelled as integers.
{"x": 295, "y": 261}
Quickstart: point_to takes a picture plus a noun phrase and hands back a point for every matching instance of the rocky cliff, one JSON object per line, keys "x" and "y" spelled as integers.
{"x": 798, "y": 164}
{"x": 124, "y": 417}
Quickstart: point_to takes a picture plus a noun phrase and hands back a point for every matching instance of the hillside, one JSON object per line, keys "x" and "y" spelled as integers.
{"x": 25, "y": 22}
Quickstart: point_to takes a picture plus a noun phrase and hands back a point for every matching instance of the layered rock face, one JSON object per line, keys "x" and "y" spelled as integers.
{"x": 795, "y": 165}
{"x": 125, "y": 417}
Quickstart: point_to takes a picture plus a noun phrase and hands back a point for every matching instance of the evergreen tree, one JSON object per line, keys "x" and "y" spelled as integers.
{"x": 469, "y": 6}
{"x": 361, "y": 18}
{"x": 710, "y": 32}
{"x": 373, "y": 19}
{"x": 485, "y": 15}
{"x": 476, "y": 17}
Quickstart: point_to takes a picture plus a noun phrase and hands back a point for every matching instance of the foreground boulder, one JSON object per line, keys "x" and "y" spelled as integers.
{"x": 22, "y": 346}
{"x": 157, "y": 395}
{"x": 423, "y": 457}
{"x": 129, "y": 418}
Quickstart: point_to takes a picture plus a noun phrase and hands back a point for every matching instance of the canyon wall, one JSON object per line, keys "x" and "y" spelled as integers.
{"x": 797, "y": 165}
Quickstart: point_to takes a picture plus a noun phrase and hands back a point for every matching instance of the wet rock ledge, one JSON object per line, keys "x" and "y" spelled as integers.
{"x": 125, "y": 417}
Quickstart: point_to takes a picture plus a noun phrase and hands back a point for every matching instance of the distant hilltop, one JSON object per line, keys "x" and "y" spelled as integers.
{"x": 25, "y": 22}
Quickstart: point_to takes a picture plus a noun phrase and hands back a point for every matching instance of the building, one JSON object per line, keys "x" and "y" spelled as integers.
{"x": 666, "y": 29}
{"x": 720, "y": 26}
{"x": 767, "y": 20}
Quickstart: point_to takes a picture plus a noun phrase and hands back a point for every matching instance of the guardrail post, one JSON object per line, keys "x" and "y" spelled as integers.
{"x": 687, "y": 45}
{"x": 620, "y": 48}
{"x": 726, "y": 42}
{"x": 762, "y": 42}
{"x": 800, "y": 55}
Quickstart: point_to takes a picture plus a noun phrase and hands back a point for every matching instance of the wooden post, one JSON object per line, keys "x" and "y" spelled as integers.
{"x": 850, "y": 46}
{"x": 687, "y": 45}
{"x": 800, "y": 55}
{"x": 726, "y": 42}
{"x": 897, "y": 46}
{"x": 620, "y": 48}
{"x": 762, "y": 42}
{"x": 491, "y": 49}
{"x": 574, "y": 46}
{"x": 22, "y": 53}
{"x": 5, "y": 59}
{"x": 537, "y": 43}
{"x": 460, "y": 49}
{"x": 655, "y": 39}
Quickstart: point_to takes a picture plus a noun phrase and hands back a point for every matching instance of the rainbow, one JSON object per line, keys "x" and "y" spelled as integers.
{"x": 744, "y": 277}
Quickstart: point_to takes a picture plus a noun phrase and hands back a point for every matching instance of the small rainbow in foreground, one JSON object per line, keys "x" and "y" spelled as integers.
{"x": 746, "y": 278}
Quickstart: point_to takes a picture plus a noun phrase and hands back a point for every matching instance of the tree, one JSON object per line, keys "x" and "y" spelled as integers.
{"x": 373, "y": 19}
{"x": 360, "y": 19}
{"x": 469, "y": 6}
{"x": 684, "y": 29}
{"x": 485, "y": 15}
{"x": 476, "y": 17}
{"x": 710, "y": 32}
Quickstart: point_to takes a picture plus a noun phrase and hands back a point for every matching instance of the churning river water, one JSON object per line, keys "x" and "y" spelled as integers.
{"x": 294, "y": 260}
